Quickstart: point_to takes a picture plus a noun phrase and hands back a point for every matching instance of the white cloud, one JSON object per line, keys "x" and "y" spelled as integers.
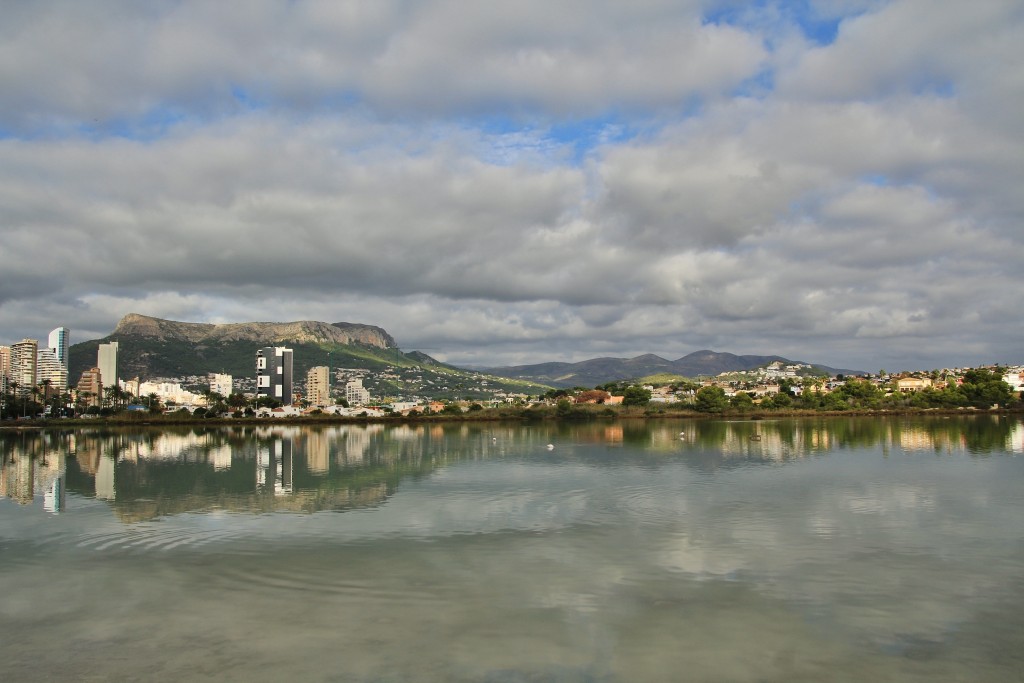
{"x": 341, "y": 161}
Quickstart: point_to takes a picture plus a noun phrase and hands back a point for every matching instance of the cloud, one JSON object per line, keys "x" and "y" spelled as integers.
{"x": 525, "y": 183}
{"x": 103, "y": 61}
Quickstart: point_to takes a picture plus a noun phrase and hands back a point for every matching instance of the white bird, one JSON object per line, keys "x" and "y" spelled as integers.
{"x": 551, "y": 446}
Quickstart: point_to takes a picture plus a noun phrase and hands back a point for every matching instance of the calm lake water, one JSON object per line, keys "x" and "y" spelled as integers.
{"x": 855, "y": 549}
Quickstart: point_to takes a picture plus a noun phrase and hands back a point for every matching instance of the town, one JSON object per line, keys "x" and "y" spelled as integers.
{"x": 34, "y": 383}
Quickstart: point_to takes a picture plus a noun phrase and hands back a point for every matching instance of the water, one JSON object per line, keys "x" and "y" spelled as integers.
{"x": 819, "y": 550}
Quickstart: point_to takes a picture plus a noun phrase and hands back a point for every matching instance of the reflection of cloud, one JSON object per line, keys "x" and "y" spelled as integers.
{"x": 882, "y": 499}
{"x": 700, "y": 559}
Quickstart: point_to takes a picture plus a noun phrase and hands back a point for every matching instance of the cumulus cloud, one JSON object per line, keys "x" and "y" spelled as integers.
{"x": 526, "y": 183}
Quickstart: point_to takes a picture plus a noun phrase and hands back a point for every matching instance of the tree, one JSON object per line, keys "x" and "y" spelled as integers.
{"x": 984, "y": 388}
{"x": 711, "y": 400}
{"x": 860, "y": 393}
{"x": 563, "y": 407}
{"x": 636, "y": 396}
{"x": 742, "y": 401}
{"x": 113, "y": 396}
{"x": 267, "y": 402}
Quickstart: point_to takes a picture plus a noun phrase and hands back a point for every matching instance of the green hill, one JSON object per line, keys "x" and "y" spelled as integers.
{"x": 150, "y": 348}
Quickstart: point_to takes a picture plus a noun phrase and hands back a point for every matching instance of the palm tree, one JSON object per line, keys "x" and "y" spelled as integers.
{"x": 113, "y": 394}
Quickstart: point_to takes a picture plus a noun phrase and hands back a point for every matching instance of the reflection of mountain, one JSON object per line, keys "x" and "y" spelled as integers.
{"x": 147, "y": 473}
{"x": 252, "y": 470}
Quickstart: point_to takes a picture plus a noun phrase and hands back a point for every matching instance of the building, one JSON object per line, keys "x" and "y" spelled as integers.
{"x": 907, "y": 384}
{"x": 5, "y": 368}
{"x": 90, "y": 387}
{"x": 355, "y": 394}
{"x": 60, "y": 343}
{"x": 318, "y": 386}
{"x": 130, "y": 387}
{"x": 222, "y": 384}
{"x": 106, "y": 361}
{"x": 1015, "y": 378}
{"x": 24, "y": 358}
{"x": 170, "y": 393}
{"x": 50, "y": 371}
{"x": 274, "y": 373}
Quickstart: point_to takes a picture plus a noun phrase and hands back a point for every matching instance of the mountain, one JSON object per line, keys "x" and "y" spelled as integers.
{"x": 305, "y": 331}
{"x": 152, "y": 347}
{"x": 597, "y": 371}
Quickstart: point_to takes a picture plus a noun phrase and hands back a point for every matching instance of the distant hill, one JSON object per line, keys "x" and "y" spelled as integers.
{"x": 305, "y": 331}
{"x": 152, "y": 347}
{"x": 149, "y": 348}
{"x": 597, "y": 371}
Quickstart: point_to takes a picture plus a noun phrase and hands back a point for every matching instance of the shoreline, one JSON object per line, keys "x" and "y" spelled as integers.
{"x": 525, "y": 415}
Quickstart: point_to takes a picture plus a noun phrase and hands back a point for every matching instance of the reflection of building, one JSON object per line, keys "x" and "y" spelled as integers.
{"x": 16, "y": 478}
{"x": 106, "y": 361}
{"x": 1015, "y": 441}
{"x": 220, "y": 457}
{"x": 318, "y": 388}
{"x": 105, "y": 478}
{"x": 274, "y": 462}
{"x": 918, "y": 439}
{"x": 318, "y": 452}
{"x": 274, "y": 373}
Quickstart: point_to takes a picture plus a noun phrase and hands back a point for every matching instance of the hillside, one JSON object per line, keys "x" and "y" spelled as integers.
{"x": 302, "y": 332}
{"x": 597, "y": 371}
{"x": 149, "y": 348}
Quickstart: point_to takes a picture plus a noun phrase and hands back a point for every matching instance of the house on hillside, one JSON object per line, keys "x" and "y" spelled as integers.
{"x": 908, "y": 384}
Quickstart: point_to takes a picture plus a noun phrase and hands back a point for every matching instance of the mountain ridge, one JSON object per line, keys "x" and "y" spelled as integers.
{"x": 597, "y": 371}
{"x": 306, "y": 331}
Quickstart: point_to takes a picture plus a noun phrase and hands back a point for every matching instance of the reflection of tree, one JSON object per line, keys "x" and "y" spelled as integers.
{"x": 160, "y": 471}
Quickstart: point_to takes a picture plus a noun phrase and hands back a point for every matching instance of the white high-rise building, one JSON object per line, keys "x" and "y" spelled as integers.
{"x": 106, "y": 361}
{"x": 60, "y": 344}
{"x": 355, "y": 394}
{"x": 49, "y": 368}
{"x": 24, "y": 356}
{"x": 5, "y": 368}
{"x": 222, "y": 384}
{"x": 318, "y": 387}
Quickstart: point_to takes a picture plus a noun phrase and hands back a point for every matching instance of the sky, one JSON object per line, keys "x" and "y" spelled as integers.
{"x": 839, "y": 182}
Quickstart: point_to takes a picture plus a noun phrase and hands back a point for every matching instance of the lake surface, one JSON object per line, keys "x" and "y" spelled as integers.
{"x": 853, "y": 549}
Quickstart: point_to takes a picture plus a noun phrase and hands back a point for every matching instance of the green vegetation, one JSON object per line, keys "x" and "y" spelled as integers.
{"x": 151, "y": 357}
{"x": 711, "y": 400}
{"x": 636, "y": 396}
